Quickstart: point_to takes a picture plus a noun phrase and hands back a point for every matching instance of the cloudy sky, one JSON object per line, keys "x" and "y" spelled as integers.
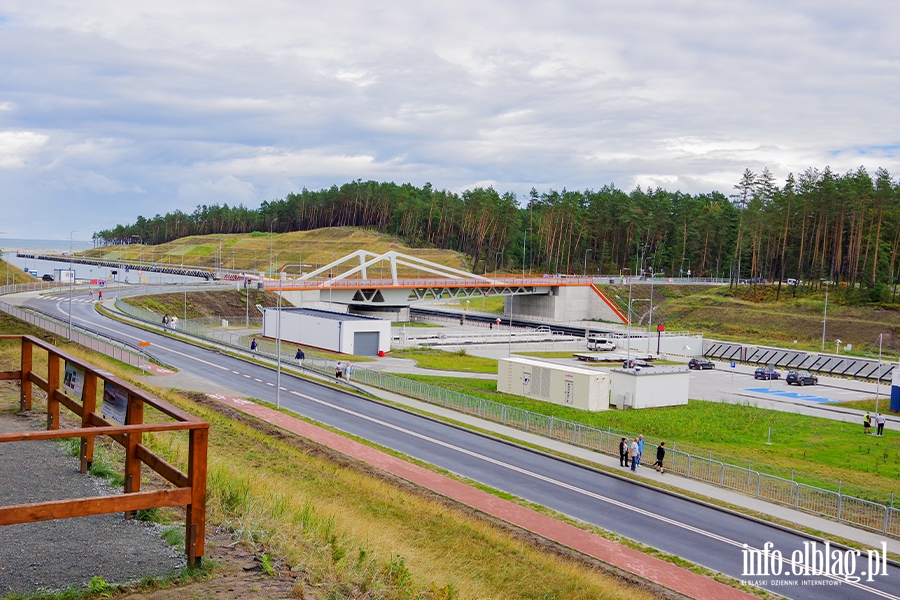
{"x": 109, "y": 110}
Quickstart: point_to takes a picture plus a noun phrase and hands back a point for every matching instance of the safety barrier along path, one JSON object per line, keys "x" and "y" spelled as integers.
{"x": 627, "y": 559}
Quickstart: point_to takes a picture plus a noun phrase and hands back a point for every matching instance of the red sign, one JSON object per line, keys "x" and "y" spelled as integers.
{"x": 660, "y": 327}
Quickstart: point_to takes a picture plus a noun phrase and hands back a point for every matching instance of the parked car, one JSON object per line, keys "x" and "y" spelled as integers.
{"x": 600, "y": 343}
{"x": 47, "y": 277}
{"x": 766, "y": 373}
{"x": 544, "y": 329}
{"x": 700, "y": 364}
{"x": 801, "y": 378}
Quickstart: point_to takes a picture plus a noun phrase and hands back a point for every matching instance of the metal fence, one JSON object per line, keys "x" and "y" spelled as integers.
{"x": 97, "y": 342}
{"x": 717, "y": 470}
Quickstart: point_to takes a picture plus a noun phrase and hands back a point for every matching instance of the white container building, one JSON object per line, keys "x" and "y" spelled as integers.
{"x": 649, "y": 387}
{"x": 586, "y": 389}
{"x": 338, "y": 332}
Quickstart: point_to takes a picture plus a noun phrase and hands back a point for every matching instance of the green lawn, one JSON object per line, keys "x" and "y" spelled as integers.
{"x": 448, "y": 361}
{"x": 813, "y": 447}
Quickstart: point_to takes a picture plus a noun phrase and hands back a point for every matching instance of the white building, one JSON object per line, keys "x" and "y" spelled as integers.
{"x": 586, "y": 389}
{"x": 338, "y": 332}
{"x": 649, "y": 387}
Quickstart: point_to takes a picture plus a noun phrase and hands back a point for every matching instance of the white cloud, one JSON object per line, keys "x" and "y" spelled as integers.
{"x": 211, "y": 102}
{"x": 16, "y": 147}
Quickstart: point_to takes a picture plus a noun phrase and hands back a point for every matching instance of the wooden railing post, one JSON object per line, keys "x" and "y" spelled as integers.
{"x": 133, "y": 416}
{"x": 25, "y": 398}
{"x": 195, "y": 523}
{"x": 53, "y": 384}
{"x": 88, "y": 406}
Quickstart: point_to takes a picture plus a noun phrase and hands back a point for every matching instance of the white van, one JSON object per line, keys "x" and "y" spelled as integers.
{"x": 600, "y": 343}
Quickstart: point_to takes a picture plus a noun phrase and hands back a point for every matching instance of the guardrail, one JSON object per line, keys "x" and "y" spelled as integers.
{"x": 127, "y": 402}
{"x": 97, "y": 342}
{"x": 857, "y": 511}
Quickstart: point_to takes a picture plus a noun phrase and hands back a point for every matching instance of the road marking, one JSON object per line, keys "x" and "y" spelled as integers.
{"x": 117, "y": 332}
{"x": 575, "y": 489}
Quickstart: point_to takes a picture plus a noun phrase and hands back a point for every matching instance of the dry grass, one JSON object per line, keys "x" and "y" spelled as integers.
{"x": 14, "y": 275}
{"x": 344, "y": 531}
{"x": 250, "y": 252}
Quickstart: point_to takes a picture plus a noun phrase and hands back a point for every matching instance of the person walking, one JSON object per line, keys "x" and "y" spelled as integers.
{"x": 165, "y": 320}
{"x": 299, "y": 357}
{"x": 640, "y": 439}
{"x": 100, "y": 295}
{"x": 339, "y": 370}
{"x": 660, "y": 456}
{"x": 254, "y": 345}
{"x": 879, "y": 424}
{"x": 173, "y": 322}
{"x": 623, "y": 453}
{"x": 635, "y": 455}
{"x": 867, "y": 423}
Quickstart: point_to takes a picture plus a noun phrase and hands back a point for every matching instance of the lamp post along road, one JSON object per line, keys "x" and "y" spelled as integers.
{"x": 278, "y": 331}
{"x": 825, "y": 316}
{"x": 628, "y": 355}
{"x": 584, "y": 274}
{"x": 71, "y": 282}
{"x": 878, "y": 374}
{"x": 271, "y": 225}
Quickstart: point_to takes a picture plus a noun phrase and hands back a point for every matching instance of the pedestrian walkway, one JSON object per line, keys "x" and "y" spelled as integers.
{"x": 612, "y": 553}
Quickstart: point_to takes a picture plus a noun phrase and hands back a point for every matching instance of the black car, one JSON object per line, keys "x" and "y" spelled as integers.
{"x": 801, "y": 378}
{"x": 700, "y": 364}
{"x": 766, "y": 373}
{"x": 47, "y": 277}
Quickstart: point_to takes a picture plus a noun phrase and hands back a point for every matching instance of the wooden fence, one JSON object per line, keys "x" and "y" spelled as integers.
{"x": 189, "y": 488}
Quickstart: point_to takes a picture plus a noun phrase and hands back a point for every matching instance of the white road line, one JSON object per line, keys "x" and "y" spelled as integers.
{"x": 573, "y": 488}
{"x": 140, "y": 339}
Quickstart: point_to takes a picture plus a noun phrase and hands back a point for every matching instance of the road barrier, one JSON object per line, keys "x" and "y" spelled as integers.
{"x": 95, "y": 341}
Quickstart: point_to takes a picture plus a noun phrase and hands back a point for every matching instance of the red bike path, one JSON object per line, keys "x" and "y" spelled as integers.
{"x": 627, "y": 559}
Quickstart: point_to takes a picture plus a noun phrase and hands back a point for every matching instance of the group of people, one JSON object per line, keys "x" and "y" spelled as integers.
{"x": 169, "y": 322}
{"x": 632, "y": 453}
{"x": 879, "y": 423}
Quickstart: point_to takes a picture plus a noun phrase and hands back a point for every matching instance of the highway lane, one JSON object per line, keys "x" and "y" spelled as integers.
{"x": 699, "y": 533}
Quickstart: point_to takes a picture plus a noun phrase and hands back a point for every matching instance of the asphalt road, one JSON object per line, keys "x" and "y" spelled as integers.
{"x": 699, "y": 533}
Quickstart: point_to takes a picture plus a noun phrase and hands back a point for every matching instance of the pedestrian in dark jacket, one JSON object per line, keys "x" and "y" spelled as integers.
{"x": 660, "y": 456}
{"x": 623, "y": 453}
{"x": 299, "y": 357}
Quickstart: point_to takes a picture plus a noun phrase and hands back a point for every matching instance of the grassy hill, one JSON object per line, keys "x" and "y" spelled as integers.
{"x": 14, "y": 275}
{"x": 251, "y": 252}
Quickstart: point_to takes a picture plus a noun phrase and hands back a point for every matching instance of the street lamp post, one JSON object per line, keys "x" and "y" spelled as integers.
{"x": 584, "y": 274}
{"x": 524, "y": 237}
{"x": 71, "y": 281}
{"x": 271, "y": 225}
{"x": 825, "y": 316}
{"x": 278, "y": 331}
{"x": 650, "y": 325}
{"x": 628, "y": 355}
{"x": 878, "y": 374}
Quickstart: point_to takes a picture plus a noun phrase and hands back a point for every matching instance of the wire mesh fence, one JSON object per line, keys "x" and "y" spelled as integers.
{"x": 764, "y": 481}
{"x": 97, "y": 342}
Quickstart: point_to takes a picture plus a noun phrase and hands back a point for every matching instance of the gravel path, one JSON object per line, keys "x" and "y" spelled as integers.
{"x": 53, "y": 555}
